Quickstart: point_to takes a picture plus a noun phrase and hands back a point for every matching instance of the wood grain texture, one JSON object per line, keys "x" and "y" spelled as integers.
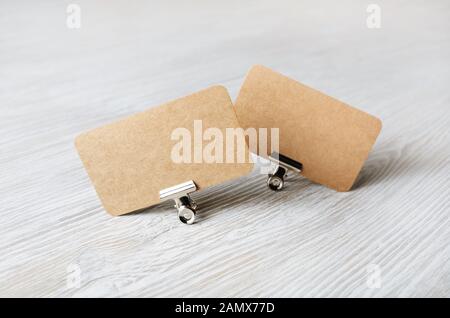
{"x": 305, "y": 241}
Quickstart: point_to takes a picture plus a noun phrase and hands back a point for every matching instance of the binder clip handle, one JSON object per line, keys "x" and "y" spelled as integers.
{"x": 275, "y": 180}
{"x": 186, "y": 206}
{"x": 186, "y": 209}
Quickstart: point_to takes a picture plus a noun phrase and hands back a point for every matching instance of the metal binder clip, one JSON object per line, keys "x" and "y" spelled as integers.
{"x": 275, "y": 181}
{"x": 185, "y": 205}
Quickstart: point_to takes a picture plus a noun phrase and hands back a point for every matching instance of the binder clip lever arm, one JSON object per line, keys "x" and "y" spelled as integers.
{"x": 185, "y": 205}
{"x": 275, "y": 180}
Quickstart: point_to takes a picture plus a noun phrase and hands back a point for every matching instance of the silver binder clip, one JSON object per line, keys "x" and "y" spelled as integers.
{"x": 275, "y": 180}
{"x": 185, "y": 205}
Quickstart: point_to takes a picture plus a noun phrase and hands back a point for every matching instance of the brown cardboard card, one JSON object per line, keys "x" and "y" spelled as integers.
{"x": 131, "y": 160}
{"x": 331, "y": 139}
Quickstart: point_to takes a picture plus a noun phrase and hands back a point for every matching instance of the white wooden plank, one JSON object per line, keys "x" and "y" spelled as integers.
{"x": 304, "y": 241}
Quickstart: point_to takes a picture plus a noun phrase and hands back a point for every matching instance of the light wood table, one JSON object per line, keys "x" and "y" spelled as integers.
{"x": 390, "y": 236}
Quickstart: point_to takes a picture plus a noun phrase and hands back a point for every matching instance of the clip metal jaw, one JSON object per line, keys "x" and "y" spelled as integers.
{"x": 275, "y": 180}
{"x": 185, "y": 205}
